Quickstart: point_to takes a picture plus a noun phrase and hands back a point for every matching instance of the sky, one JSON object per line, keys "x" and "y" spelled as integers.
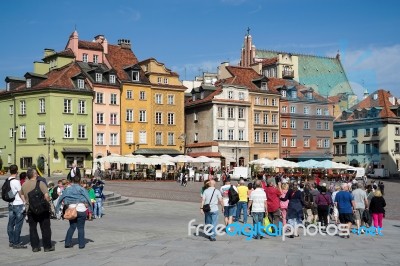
{"x": 193, "y": 36}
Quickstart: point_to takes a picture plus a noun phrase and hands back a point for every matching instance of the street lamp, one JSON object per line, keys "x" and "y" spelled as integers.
{"x": 236, "y": 149}
{"x": 286, "y": 152}
{"x": 49, "y": 142}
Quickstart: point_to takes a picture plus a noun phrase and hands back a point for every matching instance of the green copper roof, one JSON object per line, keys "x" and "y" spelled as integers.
{"x": 325, "y": 74}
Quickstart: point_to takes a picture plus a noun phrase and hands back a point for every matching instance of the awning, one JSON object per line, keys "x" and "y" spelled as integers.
{"x": 148, "y": 152}
{"x": 69, "y": 150}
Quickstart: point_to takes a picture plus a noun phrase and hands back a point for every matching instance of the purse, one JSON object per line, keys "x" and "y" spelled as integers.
{"x": 207, "y": 207}
{"x": 70, "y": 213}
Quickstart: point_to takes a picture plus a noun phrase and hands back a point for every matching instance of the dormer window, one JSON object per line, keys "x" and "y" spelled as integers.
{"x": 159, "y": 79}
{"x": 99, "y": 77}
{"x": 294, "y": 94}
{"x": 81, "y": 84}
{"x": 375, "y": 96}
{"x": 165, "y": 80}
{"x": 202, "y": 95}
{"x": 95, "y": 58}
{"x": 28, "y": 83}
{"x": 193, "y": 97}
{"x": 8, "y": 86}
{"x": 309, "y": 95}
{"x": 230, "y": 94}
{"x": 135, "y": 75}
{"x": 85, "y": 58}
{"x": 283, "y": 93}
{"x": 264, "y": 86}
{"x": 112, "y": 79}
{"x": 241, "y": 96}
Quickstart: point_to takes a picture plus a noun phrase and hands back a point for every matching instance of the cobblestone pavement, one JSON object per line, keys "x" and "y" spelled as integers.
{"x": 171, "y": 190}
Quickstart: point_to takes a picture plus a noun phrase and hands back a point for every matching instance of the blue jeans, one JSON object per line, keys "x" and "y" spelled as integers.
{"x": 257, "y": 218}
{"x": 212, "y": 218}
{"x": 98, "y": 206}
{"x": 242, "y": 205}
{"x": 15, "y": 222}
{"x": 79, "y": 223}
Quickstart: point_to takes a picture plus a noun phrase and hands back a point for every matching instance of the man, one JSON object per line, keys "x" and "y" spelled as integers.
{"x": 258, "y": 203}
{"x": 229, "y": 210}
{"x": 273, "y": 194}
{"x": 242, "y": 204}
{"x": 15, "y": 211}
{"x": 33, "y": 219}
{"x": 39, "y": 177}
{"x": 212, "y": 196}
{"x": 360, "y": 198}
{"x": 73, "y": 172}
{"x": 314, "y": 210}
{"x": 346, "y": 207}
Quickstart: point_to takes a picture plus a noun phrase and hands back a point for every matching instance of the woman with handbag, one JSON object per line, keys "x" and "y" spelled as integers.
{"x": 77, "y": 199}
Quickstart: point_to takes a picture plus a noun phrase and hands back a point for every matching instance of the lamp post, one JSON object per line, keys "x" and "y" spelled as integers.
{"x": 49, "y": 142}
{"x": 236, "y": 149}
{"x": 286, "y": 152}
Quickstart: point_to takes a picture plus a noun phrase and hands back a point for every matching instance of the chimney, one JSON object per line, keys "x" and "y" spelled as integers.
{"x": 103, "y": 41}
{"x": 48, "y": 52}
{"x": 124, "y": 43}
{"x": 99, "y": 38}
{"x": 338, "y": 55}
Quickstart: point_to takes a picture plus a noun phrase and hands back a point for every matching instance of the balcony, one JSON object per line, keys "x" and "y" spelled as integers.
{"x": 287, "y": 74}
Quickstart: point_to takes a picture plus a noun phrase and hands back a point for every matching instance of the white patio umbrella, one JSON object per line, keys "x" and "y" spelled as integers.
{"x": 309, "y": 164}
{"x": 182, "y": 159}
{"x": 261, "y": 161}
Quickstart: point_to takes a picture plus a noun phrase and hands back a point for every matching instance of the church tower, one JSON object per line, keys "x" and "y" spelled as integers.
{"x": 248, "y": 51}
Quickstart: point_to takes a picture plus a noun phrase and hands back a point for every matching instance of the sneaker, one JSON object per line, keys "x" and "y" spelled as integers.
{"x": 82, "y": 247}
{"x": 69, "y": 246}
{"x": 49, "y": 249}
{"x": 19, "y": 246}
{"x": 36, "y": 249}
{"x": 213, "y": 239}
{"x": 10, "y": 245}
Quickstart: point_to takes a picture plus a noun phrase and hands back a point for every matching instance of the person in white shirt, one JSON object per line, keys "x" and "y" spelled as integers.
{"x": 15, "y": 211}
{"x": 258, "y": 202}
{"x": 229, "y": 210}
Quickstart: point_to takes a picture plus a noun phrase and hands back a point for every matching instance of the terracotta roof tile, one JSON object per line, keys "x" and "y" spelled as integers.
{"x": 206, "y": 99}
{"x": 60, "y": 78}
{"x": 90, "y": 45}
{"x": 269, "y": 61}
{"x": 66, "y": 53}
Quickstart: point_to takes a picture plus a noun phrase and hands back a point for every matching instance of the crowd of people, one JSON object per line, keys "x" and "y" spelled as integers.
{"x": 291, "y": 201}
{"x": 32, "y": 199}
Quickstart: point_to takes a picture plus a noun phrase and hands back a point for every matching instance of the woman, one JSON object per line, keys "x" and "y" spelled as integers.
{"x": 284, "y": 204}
{"x": 295, "y": 206}
{"x": 335, "y": 209}
{"x": 77, "y": 197}
{"x": 377, "y": 208}
{"x": 323, "y": 201}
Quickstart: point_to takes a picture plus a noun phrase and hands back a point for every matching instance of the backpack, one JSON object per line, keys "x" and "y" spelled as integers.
{"x": 6, "y": 191}
{"x": 98, "y": 192}
{"x": 308, "y": 200}
{"x": 37, "y": 203}
{"x": 54, "y": 195}
{"x": 233, "y": 196}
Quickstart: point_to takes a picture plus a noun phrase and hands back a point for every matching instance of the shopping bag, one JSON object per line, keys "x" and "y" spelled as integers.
{"x": 266, "y": 222}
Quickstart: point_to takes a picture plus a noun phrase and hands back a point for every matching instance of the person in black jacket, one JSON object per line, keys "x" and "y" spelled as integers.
{"x": 295, "y": 207}
{"x": 74, "y": 171}
{"x": 377, "y": 208}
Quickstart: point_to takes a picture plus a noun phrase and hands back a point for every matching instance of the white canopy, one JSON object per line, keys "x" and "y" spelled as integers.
{"x": 261, "y": 161}
{"x": 205, "y": 159}
{"x": 280, "y": 163}
{"x": 182, "y": 159}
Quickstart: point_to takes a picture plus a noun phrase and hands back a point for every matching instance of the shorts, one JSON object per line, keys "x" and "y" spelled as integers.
{"x": 358, "y": 214}
{"x": 230, "y": 211}
{"x": 345, "y": 218}
{"x": 335, "y": 211}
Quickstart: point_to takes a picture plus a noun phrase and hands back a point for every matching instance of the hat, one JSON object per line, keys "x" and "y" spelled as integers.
{"x": 324, "y": 184}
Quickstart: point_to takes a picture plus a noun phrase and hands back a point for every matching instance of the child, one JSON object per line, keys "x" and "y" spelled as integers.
{"x": 92, "y": 197}
{"x": 51, "y": 191}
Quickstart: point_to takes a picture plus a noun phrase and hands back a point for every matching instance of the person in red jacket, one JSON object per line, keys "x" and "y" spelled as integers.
{"x": 273, "y": 201}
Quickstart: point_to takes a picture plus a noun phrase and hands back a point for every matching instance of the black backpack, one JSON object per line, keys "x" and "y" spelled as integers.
{"x": 233, "y": 196}
{"x": 37, "y": 203}
{"x": 6, "y": 192}
{"x": 54, "y": 195}
{"x": 308, "y": 200}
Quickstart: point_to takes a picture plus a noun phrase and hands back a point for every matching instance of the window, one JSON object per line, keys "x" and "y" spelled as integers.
{"x": 171, "y": 138}
{"x": 70, "y": 160}
{"x": 306, "y": 142}
{"x": 42, "y": 131}
{"x": 8, "y": 86}
{"x": 326, "y": 143}
{"x": 230, "y": 94}
{"x": 396, "y": 130}
{"x": 202, "y": 95}
{"x": 326, "y": 125}
{"x": 85, "y": 58}
{"x": 112, "y": 79}
{"x": 283, "y": 93}
{"x": 95, "y": 58}
{"x": 292, "y": 109}
{"x": 67, "y": 106}
{"x": 42, "y": 106}
{"x": 284, "y": 142}
{"x": 241, "y": 96}
{"x": 344, "y": 149}
{"x": 284, "y": 109}
{"x": 158, "y": 118}
{"x": 375, "y": 148}
{"x": 293, "y": 142}
{"x": 28, "y": 83}
{"x": 165, "y": 80}
{"x": 11, "y": 133}
{"x": 113, "y": 99}
{"x": 274, "y": 119}
{"x": 195, "y": 118}
{"x": 337, "y": 133}
{"x": 22, "y": 107}
{"x": 99, "y": 97}
{"x": 171, "y": 119}
{"x": 100, "y": 118}
{"x": 274, "y": 102}
{"x": 159, "y": 80}
{"x": 142, "y": 95}
{"x": 142, "y": 116}
{"x": 129, "y": 137}
{"x": 265, "y": 119}
{"x": 284, "y": 123}
{"x": 367, "y": 148}
{"x": 319, "y": 111}
{"x": 367, "y": 132}
{"x": 22, "y": 131}
{"x": 319, "y": 143}
{"x": 113, "y": 119}
{"x": 129, "y": 94}
{"x": 171, "y": 99}
{"x": 100, "y": 139}
{"x": 306, "y": 124}
{"x": 293, "y": 124}
{"x": 25, "y": 162}
{"x": 81, "y": 84}
{"x": 158, "y": 138}
{"x": 11, "y": 110}
{"x": 230, "y": 134}
{"x": 257, "y": 100}
{"x": 274, "y": 137}
{"x": 135, "y": 76}
{"x": 81, "y": 107}
{"x": 343, "y": 133}
{"x": 309, "y": 95}
{"x": 256, "y": 118}
{"x": 256, "y": 136}
{"x": 355, "y": 133}
{"x": 114, "y": 139}
{"x": 294, "y": 94}
{"x": 99, "y": 77}
{"x": 158, "y": 98}
{"x": 355, "y": 148}
{"x": 326, "y": 111}
{"x": 263, "y": 86}
{"x": 319, "y": 125}
{"x": 306, "y": 110}
{"x": 196, "y": 137}
{"x": 219, "y": 134}
{"x": 241, "y": 134}
{"x": 129, "y": 115}
{"x": 375, "y": 132}
{"x": 67, "y": 131}
{"x": 337, "y": 149}
{"x": 81, "y": 131}
{"x": 231, "y": 113}
{"x": 193, "y": 97}
{"x": 220, "y": 113}
{"x": 266, "y": 101}
{"x": 241, "y": 113}
{"x": 265, "y": 137}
